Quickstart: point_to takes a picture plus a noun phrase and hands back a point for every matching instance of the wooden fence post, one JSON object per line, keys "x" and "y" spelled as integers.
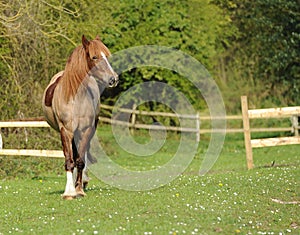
{"x": 247, "y": 133}
{"x": 295, "y": 125}
{"x": 198, "y": 127}
{"x": 133, "y": 118}
{"x": 1, "y": 143}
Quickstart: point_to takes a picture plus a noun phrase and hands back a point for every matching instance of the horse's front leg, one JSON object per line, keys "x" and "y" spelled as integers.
{"x": 85, "y": 176}
{"x": 83, "y": 142}
{"x": 89, "y": 158}
{"x": 66, "y": 139}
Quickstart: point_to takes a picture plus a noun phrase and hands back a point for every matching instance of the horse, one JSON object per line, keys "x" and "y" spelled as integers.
{"x": 71, "y": 105}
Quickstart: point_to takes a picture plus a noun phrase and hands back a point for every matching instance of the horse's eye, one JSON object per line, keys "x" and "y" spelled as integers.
{"x": 95, "y": 57}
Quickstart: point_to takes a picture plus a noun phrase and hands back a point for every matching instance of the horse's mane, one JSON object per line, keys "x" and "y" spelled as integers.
{"x": 77, "y": 68}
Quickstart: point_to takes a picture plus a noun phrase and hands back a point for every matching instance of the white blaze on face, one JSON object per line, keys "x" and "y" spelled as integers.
{"x": 106, "y": 61}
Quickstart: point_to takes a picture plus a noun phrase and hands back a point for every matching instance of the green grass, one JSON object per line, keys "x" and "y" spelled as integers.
{"x": 227, "y": 200}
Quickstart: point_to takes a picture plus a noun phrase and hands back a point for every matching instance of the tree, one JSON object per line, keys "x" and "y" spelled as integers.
{"x": 264, "y": 54}
{"x": 193, "y": 27}
{"x": 38, "y": 36}
{"x": 34, "y": 39}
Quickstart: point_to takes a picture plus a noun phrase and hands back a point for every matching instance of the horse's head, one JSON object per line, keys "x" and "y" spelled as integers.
{"x": 99, "y": 67}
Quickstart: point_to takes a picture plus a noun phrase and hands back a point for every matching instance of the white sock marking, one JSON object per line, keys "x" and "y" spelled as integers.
{"x": 70, "y": 188}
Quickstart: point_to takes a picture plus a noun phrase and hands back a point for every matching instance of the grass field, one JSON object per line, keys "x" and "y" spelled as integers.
{"x": 227, "y": 200}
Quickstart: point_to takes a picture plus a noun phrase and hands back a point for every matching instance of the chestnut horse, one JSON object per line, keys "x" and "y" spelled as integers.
{"x": 71, "y": 106}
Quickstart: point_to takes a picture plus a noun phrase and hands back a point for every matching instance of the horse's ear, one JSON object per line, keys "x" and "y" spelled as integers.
{"x": 85, "y": 42}
{"x": 98, "y": 38}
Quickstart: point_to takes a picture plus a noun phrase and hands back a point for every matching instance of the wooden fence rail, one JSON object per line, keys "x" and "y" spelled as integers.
{"x": 264, "y": 113}
{"x": 267, "y": 113}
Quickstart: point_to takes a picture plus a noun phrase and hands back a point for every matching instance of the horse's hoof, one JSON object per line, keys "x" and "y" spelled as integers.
{"x": 80, "y": 194}
{"x": 68, "y": 197}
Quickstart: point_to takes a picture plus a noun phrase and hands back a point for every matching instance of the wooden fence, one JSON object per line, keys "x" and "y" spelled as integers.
{"x": 27, "y": 152}
{"x": 284, "y": 112}
{"x": 200, "y": 118}
{"x": 38, "y": 122}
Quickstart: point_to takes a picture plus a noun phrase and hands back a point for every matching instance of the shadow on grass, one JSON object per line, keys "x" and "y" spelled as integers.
{"x": 274, "y": 165}
{"x": 88, "y": 189}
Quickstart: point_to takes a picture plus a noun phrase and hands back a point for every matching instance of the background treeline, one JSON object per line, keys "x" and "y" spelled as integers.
{"x": 249, "y": 47}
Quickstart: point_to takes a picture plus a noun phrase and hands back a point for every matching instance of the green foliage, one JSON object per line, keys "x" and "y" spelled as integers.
{"x": 250, "y": 47}
{"x": 30, "y": 28}
{"x": 265, "y": 52}
{"x": 192, "y": 27}
{"x": 41, "y": 35}
{"x": 8, "y": 85}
